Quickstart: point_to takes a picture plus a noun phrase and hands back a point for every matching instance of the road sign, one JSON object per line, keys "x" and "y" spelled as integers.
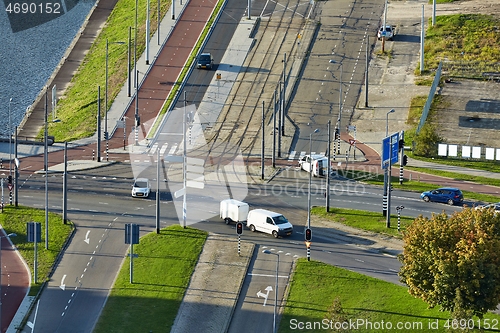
{"x": 10, "y": 187}
{"x": 352, "y": 141}
{"x": 131, "y": 233}
{"x": 392, "y": 142}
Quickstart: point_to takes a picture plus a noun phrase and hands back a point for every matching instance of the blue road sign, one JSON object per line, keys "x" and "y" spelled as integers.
{"x": 34, "y": 229}
{"x": 392, "y": 142}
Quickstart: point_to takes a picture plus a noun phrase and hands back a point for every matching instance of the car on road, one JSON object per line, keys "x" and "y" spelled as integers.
{"x": 205, "y": 60}
{"x": 448, "y": 195}
{"x": 319, "y": 164}
{"x": 269, "y": 222}
{"x": 495, "y": 206}
{"x": 389, "y": 32}
{"x": 141, "y": 188}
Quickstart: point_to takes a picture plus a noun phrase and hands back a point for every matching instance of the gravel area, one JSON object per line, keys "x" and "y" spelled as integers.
{"x": 28, "y": 58}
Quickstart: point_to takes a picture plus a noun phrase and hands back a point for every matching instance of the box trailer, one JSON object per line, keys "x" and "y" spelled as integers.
{"x": 233, "y": 211}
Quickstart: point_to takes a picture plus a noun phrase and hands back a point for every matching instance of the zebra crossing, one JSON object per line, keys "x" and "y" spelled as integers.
{"x": 293, "y": 153}
{"x": 173, "y": 149}
{"x": 152, "y": 153}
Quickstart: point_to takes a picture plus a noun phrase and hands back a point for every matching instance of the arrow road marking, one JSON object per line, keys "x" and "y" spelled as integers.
{"x": 261, "y": 294}
{"x": 63, "y": 286}
{"x": 87, "y": 240}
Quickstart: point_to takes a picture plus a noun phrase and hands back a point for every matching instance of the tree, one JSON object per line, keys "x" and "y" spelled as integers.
{"x": 426, "y": 141}
{"x": 454, "y": 262}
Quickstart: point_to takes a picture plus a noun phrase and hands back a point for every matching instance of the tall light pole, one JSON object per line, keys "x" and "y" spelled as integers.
{"x": 387, "y": 122}
{"x": 10, "y": 140}
{"x": 386, "y": 175}
{"x": 129, "y": 79}
{"x": 338, "y": 125}
{"x": 106, "y": 136}
{"x": 275, "y": 288}
{"x": 1, "y": 238}
{"x": 310, "y": 179}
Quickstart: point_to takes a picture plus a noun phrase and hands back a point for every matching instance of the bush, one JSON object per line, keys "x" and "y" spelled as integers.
{"x": 426, "y": 141}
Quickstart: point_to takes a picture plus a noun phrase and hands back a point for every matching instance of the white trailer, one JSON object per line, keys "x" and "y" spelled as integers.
{"x": 232, "y": 210}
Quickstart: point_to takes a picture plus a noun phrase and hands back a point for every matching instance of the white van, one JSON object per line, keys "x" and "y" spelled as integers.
{"x": 269, "y": 222}
{"x": 319, "y": 164}
{"x": 232, "y": 210}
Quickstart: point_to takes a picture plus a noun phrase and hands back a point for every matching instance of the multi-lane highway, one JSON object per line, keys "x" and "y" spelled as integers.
{"x": 100, "y": 204}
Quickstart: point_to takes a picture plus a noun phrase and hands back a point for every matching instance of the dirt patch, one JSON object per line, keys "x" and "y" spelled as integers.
{"x": 470, "y": 110}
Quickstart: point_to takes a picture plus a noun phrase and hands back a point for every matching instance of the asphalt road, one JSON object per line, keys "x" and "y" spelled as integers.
{"x": 100, "y": 202}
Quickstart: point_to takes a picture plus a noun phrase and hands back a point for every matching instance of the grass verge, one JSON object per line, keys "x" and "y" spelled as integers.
{"x": 161, "y": 275}
{"x": 369, "y": 221}
{"x": 326, "y": 295}
{"x": 77, "y": 109}
{"x": 14, "y": 219}
{"x": 416, "y": 185}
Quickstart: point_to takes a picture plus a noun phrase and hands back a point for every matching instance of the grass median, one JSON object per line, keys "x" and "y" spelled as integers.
{"x": 14, "y": 220}
{"x": 324, "y": 297}
{"x": 162, "y": 272}
{"x": 364, "y": 220}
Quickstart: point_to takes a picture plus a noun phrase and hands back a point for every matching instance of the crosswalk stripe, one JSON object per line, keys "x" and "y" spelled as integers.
{"x": 163, "y": 149}
{"x": 153, "y": 149}
{"x": 172, "y": 150}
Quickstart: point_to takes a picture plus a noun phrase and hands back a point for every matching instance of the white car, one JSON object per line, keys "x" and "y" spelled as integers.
{"x": 319, "y": 164}
{"x": 496, "y": 207}
{"x": 389, "y": 32}
{"x": 141, "y": 188}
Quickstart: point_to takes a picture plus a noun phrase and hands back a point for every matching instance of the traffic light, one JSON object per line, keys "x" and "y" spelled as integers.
{"x": 308, "y": 234}
{"x": 239, "y": 228}
{"x": 9, "y": 178}
{"x": 401, "y": 144}
{"x": 405, "y": 160}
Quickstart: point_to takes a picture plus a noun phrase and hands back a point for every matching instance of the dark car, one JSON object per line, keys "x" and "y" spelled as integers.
{"x": 448, "y": 195}
{"x": 205, "y": 60}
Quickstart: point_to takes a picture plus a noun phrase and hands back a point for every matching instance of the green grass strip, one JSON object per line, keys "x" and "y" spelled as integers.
{"x": 325, "y": 296}
{"x": 162, "y": 273}
{"x": 364, "y": 220}
{"x": 15, "y": 219}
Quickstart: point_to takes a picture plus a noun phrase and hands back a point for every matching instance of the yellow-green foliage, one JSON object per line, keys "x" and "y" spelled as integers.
{"x": 454, "y": 262}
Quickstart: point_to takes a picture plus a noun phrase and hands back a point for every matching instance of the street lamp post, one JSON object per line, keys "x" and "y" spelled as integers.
{"x": 310, "y": 179}
{"x": 10, "y": 140}
{"x": 338, "y": 125}
{"x": 387, "y": 122}
{"x": 275, "y": 288}
{"x": 386, "y": 170}
{"x": 1, "y": 238}
{"x": 106, "y": 136}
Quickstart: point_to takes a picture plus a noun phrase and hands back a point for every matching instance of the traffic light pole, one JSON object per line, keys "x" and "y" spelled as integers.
{"x": 239, "y": 231}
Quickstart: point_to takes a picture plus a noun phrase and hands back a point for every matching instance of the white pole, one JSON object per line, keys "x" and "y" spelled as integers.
{"x": 184, "y": 166}
{"x": 147, "y": 33}
{"x": 422, "y": 36}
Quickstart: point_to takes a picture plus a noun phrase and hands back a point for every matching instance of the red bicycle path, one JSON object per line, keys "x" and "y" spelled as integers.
{"x": 15, "y": 281}
{"x": 152, "y": 93}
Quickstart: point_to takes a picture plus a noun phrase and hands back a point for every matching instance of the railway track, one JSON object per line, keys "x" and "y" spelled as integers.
{"x": 238, "y": 129}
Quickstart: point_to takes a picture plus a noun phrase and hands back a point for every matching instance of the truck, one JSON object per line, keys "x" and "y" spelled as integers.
{"x": 233, "y": 211}
{"x": 319, "y": 164}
